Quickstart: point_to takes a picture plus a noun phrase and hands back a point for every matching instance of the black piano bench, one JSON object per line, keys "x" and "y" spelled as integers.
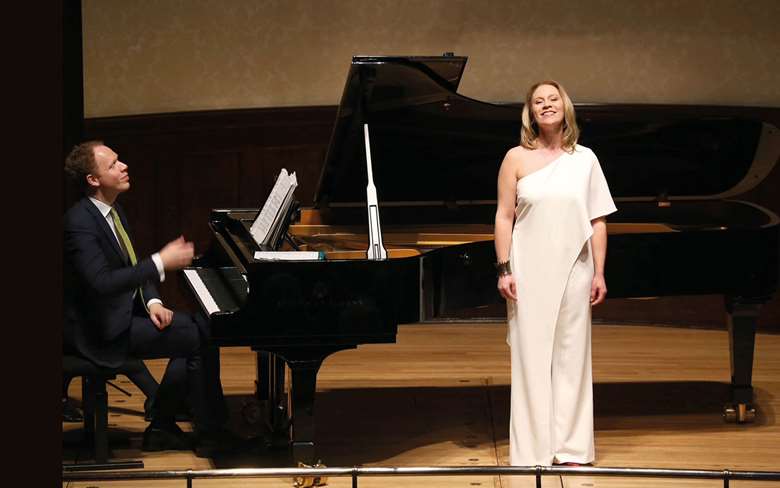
{"x": 95, "y": 405}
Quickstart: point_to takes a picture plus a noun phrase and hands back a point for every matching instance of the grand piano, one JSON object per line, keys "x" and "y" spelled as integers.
{"x": 676, "y": 173}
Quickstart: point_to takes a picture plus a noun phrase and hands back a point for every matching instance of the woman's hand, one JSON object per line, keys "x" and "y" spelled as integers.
{"x": 598, "y": 290}
{"x": 506, "y": 287}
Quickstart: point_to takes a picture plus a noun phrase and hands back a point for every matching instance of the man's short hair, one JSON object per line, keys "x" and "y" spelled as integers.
{"x": 81, "y": 162}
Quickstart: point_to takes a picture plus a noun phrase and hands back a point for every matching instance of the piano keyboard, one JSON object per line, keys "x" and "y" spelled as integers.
{"x": 217, "y": 289}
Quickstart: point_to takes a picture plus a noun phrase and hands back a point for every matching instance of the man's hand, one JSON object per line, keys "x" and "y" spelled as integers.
{"x": 160, "y": 315}
{"x": 177, "y": 254}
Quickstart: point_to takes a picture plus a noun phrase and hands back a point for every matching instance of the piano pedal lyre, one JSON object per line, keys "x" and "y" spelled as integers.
{"x": 310, "y": 481}
{"x": 251, "y": 411}
{"x": 741, "y": 413}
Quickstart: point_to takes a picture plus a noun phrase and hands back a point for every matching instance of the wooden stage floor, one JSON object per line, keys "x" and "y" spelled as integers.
{"x": 440, "y": 397}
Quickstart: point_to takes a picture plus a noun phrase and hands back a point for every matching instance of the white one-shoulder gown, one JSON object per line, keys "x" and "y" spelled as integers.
{"x": 549, "y": 324}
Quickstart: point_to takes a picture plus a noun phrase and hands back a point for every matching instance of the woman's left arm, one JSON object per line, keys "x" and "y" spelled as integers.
{"x": 598, "y": 289}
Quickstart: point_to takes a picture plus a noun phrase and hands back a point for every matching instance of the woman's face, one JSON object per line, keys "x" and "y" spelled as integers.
{"x": 547, "y": 106}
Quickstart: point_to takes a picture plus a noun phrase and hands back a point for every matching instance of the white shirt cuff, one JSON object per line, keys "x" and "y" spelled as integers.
{"x": 158, "y": 262}
{"x": 152, "y": 302}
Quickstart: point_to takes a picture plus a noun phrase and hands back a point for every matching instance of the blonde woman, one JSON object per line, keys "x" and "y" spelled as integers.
{"x": 551, "y": 244}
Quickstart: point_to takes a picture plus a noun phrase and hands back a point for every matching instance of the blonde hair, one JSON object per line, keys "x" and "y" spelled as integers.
{"x": 81, "y": 162}
{"x": 530, "y": 130}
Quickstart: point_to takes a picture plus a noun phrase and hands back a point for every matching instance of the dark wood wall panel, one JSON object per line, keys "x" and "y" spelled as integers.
{"x": 183, "y": 165}
{"x": 140, "y": 204}
{"x": 202, "y": 181}
{"x": 304, "y": 160}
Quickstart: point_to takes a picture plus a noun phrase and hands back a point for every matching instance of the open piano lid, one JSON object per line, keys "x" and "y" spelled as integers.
{"x": 432, "y": 146}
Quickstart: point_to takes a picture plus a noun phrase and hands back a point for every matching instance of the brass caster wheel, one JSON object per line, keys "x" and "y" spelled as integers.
{"x": 729, "y": 414}
{"x": 310, "y": 481}
{"x": 741, "y": 413}
{"x": 746, "y": 414}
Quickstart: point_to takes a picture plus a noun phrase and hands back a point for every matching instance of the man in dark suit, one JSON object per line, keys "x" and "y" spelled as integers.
{"x": 113, "y": 310}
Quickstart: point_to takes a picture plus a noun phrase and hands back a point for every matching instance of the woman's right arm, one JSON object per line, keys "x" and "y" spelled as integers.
{"x": 505, "y": 214}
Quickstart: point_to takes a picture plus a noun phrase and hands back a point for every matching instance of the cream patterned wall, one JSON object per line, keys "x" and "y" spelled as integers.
{"x": 151, "y": 56}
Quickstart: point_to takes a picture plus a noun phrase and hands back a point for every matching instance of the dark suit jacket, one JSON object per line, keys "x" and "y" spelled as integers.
{"x": 99, "y": 285}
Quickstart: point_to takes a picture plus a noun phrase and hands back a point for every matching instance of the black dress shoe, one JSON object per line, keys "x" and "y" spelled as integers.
{"x": 165, "y": 436}
{"x": 213, "y": 443}
{"x": 70, "y": 413}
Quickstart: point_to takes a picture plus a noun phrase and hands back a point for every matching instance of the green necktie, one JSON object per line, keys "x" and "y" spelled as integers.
{"x": 124, "y": 241}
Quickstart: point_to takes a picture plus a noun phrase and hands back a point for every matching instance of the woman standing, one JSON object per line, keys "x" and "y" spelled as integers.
{"x": 551, "y": 244}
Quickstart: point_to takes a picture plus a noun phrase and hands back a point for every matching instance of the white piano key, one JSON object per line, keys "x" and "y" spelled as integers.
{"x": 203, "y": 293}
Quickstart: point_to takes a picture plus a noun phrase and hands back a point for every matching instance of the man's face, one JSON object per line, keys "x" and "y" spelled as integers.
{"x": 110, "y": 175}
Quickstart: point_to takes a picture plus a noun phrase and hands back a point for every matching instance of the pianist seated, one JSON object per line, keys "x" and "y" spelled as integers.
{"x": 112, "y": 310}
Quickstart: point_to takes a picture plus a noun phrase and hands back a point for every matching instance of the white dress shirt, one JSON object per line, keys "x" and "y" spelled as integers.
{"x": 105, "y": 211}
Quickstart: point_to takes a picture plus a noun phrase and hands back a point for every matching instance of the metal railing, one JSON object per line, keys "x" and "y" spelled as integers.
{"x": 356, "y": 472}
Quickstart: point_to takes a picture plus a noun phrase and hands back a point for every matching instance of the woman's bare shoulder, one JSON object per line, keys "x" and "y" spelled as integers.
{"x": 518, "y": 151}
{"x": 517, "y": 154}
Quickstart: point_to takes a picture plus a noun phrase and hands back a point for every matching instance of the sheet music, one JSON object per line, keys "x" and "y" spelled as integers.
{"x": 203, "y": 293}
{"x": 268, "y": 216}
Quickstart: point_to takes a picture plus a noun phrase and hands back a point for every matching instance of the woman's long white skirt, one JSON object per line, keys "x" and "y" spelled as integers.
{"x": 552, "y": 389}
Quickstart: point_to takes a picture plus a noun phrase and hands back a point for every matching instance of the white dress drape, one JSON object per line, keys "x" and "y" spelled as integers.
{"x": 549, "y": 325}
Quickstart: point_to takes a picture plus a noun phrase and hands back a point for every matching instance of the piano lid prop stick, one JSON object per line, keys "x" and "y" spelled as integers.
{"x": 376, "y": 249}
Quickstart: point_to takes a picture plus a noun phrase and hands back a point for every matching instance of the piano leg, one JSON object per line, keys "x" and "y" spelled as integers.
{"x": 263, "y": 382}
{"x": 742, "y": 317}
{"x": 269, "y": 390}
{"x": 278, "y": 402}
{"x": 304, "y": 364}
